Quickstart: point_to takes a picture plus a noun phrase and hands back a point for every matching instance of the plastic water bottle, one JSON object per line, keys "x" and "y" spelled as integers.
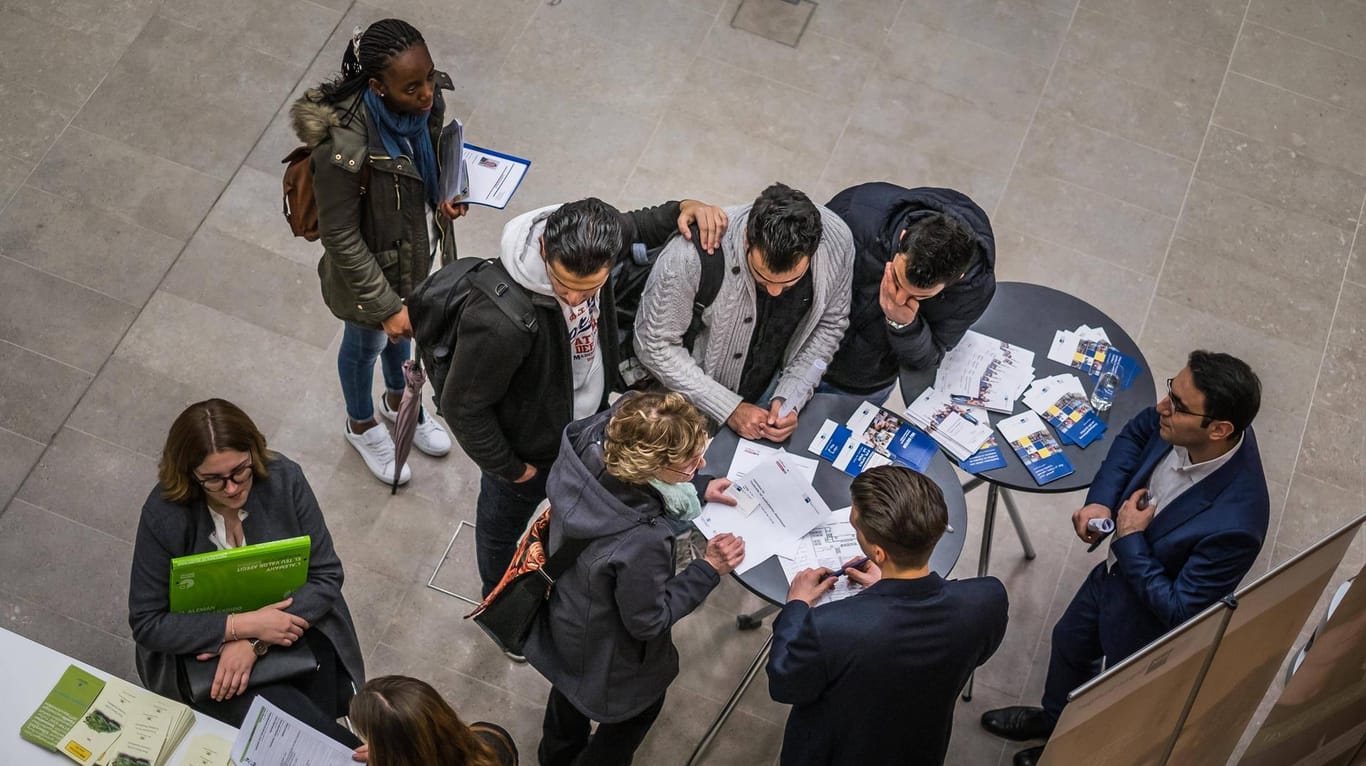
{"x": 1104, "y": 393}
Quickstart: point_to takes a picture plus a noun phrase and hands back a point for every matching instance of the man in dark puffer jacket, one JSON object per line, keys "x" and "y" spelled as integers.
{"x": 924, "y": 271}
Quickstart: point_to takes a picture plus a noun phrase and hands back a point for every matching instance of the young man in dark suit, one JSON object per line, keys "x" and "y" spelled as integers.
{"x": 1183, "y": 483}
{"x": 873, "y": 679}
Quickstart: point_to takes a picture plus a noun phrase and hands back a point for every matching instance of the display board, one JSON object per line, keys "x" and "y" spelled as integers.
{"x": 1318, "y": 719}
{"x": 1260, "y": 633}
{"x": 1128, "y": 715}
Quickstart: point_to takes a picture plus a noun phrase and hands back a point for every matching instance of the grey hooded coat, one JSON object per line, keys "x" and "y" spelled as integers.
{"x": 604, "y": 639}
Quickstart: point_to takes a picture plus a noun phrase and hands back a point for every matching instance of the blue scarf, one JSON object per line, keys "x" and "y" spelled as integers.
{"x": 399, "y": 131}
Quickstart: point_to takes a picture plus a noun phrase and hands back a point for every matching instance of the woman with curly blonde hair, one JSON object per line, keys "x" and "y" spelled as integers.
{"x": 623, "y": 478}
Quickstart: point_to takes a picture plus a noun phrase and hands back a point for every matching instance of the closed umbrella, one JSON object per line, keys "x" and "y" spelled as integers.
{"x": 405, "y": 420}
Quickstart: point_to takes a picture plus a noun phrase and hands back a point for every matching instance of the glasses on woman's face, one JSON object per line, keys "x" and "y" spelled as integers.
{"x": 688, "y": 470}
{"x": 237, "y": 476}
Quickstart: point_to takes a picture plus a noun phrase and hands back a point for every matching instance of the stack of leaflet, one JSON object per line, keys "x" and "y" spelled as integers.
{"x": 1063, "y": 403}
{"x": 985, "y": 372}
{"x": 949, "y": 423}
{"x": 872, "y": 437}
{"x": 107, "y": 722}
{"x": 990, "y": 456}
{"x": 1037, "y": 448}
{"x": 1088, "y": 349}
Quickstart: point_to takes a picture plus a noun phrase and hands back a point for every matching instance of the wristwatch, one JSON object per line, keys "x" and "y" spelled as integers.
{"x": 897, "y": 325}
{"x": 259, "y": 647}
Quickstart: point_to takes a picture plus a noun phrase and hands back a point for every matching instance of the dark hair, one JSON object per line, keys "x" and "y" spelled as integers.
{"x": 938, "y": 250}
{"x": 204, "y": 428}
{"x": 1233, "y": 392}
{"x": 407, "y": 723}
{"x": 368, "y": 55}
{"x": 900, "y": 510}
{"x": 786, "y": 227}
{"x": 583, "y": 236}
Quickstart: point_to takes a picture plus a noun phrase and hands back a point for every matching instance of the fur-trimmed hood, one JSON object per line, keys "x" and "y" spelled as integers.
{"x": 313, "y": 119}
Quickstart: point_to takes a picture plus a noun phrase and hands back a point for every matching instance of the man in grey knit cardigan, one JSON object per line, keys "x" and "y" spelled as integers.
{"x": 783, "y": 305}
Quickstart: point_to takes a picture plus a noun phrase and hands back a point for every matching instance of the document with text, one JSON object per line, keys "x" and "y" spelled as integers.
{"x": 780, "y": 507}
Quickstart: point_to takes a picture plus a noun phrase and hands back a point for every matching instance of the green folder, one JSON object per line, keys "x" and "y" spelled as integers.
{"x": 63, "y": 707}
{"x": 239, "y": 579}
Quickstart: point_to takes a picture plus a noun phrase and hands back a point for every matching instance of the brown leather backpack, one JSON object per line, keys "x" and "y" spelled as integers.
{"x": 300, "y": 204}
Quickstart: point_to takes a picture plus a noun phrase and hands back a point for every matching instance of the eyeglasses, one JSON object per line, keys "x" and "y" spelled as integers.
{"x": 238, "y": 476}
{"x": 691, "y": 471}
{"x": 1180, "y": 406}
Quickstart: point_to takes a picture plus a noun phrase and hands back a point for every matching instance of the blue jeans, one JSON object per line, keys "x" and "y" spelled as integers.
{"x": 360, "y": 347}
{"x": 878, "y": 397}
{"x": 501, "y": 516}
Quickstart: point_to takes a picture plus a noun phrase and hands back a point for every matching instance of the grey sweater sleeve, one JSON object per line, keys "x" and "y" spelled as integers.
{"x": 664, "y": 316}
{"x": 834, "y": 262}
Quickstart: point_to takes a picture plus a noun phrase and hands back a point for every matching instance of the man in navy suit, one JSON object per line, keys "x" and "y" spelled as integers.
{"x": 872, "y": 679}
{"x": 1183, "y": 483}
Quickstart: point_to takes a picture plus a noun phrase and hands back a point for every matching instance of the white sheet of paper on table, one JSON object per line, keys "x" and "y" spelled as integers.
{"x": 829, "y": 545}
{"x": 788, "y": 507}
{"x": 749, "y": 454}
{"x": 271, "y": 736}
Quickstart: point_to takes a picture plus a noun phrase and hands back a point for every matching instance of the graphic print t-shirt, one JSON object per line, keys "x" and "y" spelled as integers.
{"x": 585, "y": 355}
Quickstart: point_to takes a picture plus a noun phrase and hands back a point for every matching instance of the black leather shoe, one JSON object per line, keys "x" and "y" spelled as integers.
{"x": 1028, "y": 757}
{"x": 1018, "y": 723}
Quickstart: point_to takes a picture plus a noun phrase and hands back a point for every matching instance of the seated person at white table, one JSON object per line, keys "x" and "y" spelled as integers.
{"x": 873, "y": 679}
{"x": 782, "y": 306}
{"x": 1195, "y": 458}
{"x": 219, "y": 487}
{"x": 924, "y": 272}
{"x": 405, "y": 722}
{"x": 604, "y": 641}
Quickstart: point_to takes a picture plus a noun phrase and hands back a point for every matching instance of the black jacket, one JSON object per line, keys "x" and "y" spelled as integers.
{"x": 510, "y": 393}
{"x": 873, "y": 679}
{"x": 872, "y": 352}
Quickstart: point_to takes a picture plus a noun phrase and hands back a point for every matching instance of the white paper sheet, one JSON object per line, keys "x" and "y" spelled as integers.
{"x": 788, "y": 507}
{"x": 271, "y": 737}
{"x": 829, "y": 545}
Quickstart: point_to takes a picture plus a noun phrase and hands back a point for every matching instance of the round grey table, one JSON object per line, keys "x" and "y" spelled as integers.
{"x": 1028, "y": 315}
{"x": 767, "y": 580}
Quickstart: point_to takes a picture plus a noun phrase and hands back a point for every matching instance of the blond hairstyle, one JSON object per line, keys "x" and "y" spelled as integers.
{"x": 407, "y": 723}
{"x": 652, "y": 431}
{"x": 206, "y": 427}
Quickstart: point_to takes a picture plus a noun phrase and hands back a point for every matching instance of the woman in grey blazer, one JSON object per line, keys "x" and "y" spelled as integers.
{"x": 219, "y": 487}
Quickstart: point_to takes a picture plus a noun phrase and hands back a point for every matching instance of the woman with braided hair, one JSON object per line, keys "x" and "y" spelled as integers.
{"x": 373, "y": 131}
{"x": 622, "y": 478}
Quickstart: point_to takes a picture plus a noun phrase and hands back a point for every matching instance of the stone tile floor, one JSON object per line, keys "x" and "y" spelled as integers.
{"x": 1195, "y": 169}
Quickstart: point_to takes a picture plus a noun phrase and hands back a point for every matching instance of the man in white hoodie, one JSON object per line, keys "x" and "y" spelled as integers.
{"x": 511, "y": 392}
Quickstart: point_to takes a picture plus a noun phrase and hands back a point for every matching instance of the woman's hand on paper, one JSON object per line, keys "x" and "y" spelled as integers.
{"x": 272, "y": 624}
{"x": 716, "y": 492}
{"x": 453, "y": 210}
{"x": 725, "y": 552}
{"x": 235, "y": 661}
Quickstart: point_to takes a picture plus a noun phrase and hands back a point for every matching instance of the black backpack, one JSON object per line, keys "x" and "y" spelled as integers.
{"x": 629, "y": 276}
{"x": 435, "y": 305}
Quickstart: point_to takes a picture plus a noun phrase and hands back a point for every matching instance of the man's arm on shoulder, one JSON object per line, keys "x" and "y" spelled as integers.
{"x": 664, "y": 316}
{"x": 1123, "y": 460}
{"x": 796, "y": 666}
{"x": 837, "y": 247}
{"x": 650, "y": 226}
{"x": 488, "y": 353}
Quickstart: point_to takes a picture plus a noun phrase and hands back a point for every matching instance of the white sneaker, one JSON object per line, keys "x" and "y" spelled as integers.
{"x": 430, "y": 437}
{"x": 376, "y": 448}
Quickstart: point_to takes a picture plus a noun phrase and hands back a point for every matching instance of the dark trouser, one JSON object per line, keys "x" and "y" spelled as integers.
{"x": 565, "y": 739}
{"x": 317, "y": 699}
{"x": 501, "y": 516}
{"x": 1076, "y": 653}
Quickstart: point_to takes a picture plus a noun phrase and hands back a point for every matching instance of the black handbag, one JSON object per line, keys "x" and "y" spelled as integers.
{"x": 507, "y": 612}
{"x": 281, "y": 663}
